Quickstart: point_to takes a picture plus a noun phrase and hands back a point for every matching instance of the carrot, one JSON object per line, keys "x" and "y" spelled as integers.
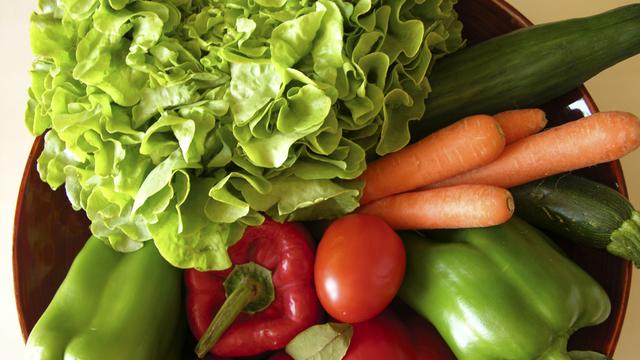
{"x": 520, "y": 123}
{"x": 596, "y": 139}
{"x": 453, "y": 207}
{"x": 467, "y": 144}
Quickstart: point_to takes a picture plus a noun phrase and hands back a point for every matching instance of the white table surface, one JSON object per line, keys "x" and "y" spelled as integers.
{"x": 614, "y": 89}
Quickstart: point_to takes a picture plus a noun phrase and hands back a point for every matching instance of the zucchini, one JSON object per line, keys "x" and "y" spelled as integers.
{"x": 583, "y": 211}
{"x": 527, "y": 67}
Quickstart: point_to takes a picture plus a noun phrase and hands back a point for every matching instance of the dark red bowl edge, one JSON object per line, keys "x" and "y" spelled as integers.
{"x": 517, "y": 16}
{"x": 33, "y": 154}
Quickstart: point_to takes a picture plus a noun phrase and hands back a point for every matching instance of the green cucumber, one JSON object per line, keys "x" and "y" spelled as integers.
{"x": 527, "y": 67}
{"x": 583, "y": 211}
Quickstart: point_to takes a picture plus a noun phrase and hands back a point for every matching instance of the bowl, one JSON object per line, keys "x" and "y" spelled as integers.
{"x": 48, "y": 233}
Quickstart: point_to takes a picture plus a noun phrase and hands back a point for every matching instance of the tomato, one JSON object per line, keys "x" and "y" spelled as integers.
{"x": 360, "y": 263}
{"x": 381, "y": 338}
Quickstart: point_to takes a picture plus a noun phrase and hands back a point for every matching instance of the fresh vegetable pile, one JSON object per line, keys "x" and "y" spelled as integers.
{"x": 184, "y": 121}
{"x": 217, "y": 128}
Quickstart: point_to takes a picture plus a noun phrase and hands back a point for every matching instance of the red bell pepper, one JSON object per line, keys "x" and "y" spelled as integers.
{"x": 400, "y": 334}
{"x": 280, "y": 355}
{"x": 381, "y": 338}
{"x": 272, "y": 277}
{"x": 427, "y": 343}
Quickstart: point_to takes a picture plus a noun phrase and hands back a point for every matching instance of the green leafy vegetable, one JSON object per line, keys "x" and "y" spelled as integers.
{"x": 184, "y": 121}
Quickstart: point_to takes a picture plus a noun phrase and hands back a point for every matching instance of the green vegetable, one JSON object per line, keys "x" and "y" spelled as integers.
{"x": 113, "y": 306}
{"x": 528, "y": 67}
{"x": 183, "y": 121}
{"x": 502, "y": 292}
{"x": 584, "y": 211}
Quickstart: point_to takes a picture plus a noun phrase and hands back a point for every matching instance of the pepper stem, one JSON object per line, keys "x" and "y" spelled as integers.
{"x": 249, "y": 288}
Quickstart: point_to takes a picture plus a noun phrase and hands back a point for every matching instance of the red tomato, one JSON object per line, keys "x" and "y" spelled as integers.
{"x": 381, "y": 338}
{"x": 359, "y": 267}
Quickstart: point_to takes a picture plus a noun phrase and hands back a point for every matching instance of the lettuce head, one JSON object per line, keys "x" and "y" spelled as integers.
{"x": 185, "y": 121}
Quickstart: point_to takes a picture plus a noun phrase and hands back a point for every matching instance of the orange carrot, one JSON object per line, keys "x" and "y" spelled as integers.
{"x": 596, "y": 139}
{"x": 467, "y": 144}
{"x": 518, "y": 124}
{"x": 453, "y": 207}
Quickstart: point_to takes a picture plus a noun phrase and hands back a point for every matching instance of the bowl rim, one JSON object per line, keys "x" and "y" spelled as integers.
{"x": 614, "y": 166}
{"x": 33, "y": 154}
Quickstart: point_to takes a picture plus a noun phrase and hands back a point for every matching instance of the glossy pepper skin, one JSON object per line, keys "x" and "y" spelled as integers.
{"x": 285, "y": 249}
{"x": 380, "y": 338}
{"x": 427, "y": 342}
{"x": 502, "y": 292}
{"x": 113, "y": 306}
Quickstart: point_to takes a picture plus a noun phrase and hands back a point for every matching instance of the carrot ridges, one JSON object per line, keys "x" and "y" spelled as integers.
{"x": 453, "y": 207}
{"x": 467, "y": 144}
{"x": 520, "y": 123}
{"x": 592, "y": 140}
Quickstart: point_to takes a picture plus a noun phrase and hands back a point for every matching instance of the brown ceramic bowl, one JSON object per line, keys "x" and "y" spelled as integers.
{"x": 48, "y": 233}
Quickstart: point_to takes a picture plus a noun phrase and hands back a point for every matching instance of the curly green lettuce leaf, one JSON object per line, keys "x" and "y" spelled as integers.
{"x": 184, "y": 121}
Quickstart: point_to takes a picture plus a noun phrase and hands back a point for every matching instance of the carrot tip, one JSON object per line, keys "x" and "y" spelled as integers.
{"x": 511, "y": 206}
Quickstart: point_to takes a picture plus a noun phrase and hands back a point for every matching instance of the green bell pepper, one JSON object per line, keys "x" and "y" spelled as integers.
{"x": 113, "y": 306}
{"x": 504, "y": 292}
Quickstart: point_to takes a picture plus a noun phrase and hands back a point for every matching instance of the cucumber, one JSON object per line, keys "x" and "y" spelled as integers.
{"x": 583, "y": 211}
{"x": 527, "y": 67}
